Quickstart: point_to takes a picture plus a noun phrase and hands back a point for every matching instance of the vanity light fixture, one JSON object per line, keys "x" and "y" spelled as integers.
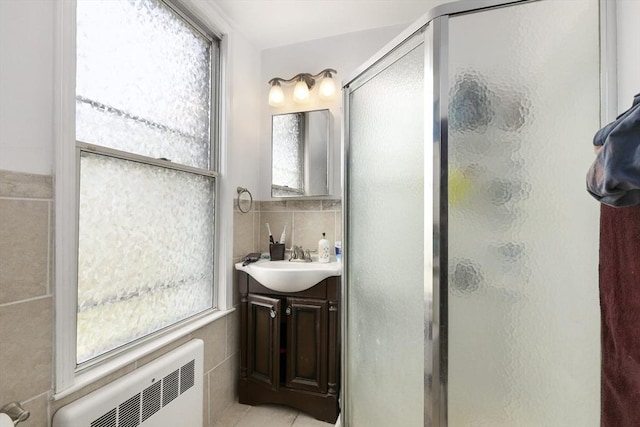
{"x": 304, "y": 83}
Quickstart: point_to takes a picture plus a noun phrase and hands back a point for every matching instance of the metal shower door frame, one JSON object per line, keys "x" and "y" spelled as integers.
{"x": 432, "y": 31}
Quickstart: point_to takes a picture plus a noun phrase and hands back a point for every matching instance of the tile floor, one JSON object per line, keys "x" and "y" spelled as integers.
{"x": 239, "y": 415}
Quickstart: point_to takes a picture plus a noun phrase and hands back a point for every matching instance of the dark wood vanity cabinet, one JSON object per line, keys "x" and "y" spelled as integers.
{"x": 290, "y": 347}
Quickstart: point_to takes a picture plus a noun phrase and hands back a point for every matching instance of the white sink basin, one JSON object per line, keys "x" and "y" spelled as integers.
{"x": 288, "y": 276}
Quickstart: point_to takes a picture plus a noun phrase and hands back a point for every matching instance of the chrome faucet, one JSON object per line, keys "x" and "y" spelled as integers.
{"x": 299, "y": 254}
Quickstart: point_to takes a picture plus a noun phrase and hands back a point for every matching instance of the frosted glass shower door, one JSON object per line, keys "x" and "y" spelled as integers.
{"x": 522, "y": 231}
{"x": 385, "y": 223}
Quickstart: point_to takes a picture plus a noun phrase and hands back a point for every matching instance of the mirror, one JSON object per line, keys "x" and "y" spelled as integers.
{"x": 300, "y": 154}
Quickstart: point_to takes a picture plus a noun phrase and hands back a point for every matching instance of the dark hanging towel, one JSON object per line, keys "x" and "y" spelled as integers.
{"x": 620, "y": 311}
{"x": 614, "y": 180}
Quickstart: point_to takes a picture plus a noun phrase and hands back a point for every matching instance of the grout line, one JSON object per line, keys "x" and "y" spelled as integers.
{"x": 50, "y": 252}
{"x": 37, "y": 396}
{"x": 293, "y": 227}
{"x": 207, "y": 392}
{"x": 7, "y": 304}
{"x": 241, "y": 417}
{"x": 28, "y": 199}
{"x": 226, "y": 336}
{"x": 296, "y": 417}
{"x": 224, "y": 360}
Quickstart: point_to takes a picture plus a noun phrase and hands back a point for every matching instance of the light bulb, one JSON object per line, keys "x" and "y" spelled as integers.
{"x": 276, "y": 96}
{"x": 300, "y": 92}
{"x": 327, "y": 87}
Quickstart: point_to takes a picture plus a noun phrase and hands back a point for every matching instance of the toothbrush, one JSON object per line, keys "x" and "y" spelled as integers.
{"x": 284, "y": 233}
{"x": 270, "y": 235}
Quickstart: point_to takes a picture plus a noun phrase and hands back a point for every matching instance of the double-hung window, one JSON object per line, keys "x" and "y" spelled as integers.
{"x": 146, "y": 90}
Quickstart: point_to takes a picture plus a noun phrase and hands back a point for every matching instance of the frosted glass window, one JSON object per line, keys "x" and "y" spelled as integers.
{"x": 146, "y": 239}
{"x": 145, "y": 250}
{"x": 143, "y": 81}
{"x": 288, "y": 154}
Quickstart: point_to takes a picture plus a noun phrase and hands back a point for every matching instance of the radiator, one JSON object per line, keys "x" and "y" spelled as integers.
{"x": 164, "y": 393}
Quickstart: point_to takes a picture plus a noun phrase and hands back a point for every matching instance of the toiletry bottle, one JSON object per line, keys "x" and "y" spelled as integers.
{"x": 338, "y": 249}
{"x": 324, "y": 252}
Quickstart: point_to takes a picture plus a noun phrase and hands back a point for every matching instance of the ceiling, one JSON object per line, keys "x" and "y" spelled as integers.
{"x": 272, "y": 23}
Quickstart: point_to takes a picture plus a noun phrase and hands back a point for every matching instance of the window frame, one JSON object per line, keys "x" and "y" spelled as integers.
{"x": 68, "y": 376}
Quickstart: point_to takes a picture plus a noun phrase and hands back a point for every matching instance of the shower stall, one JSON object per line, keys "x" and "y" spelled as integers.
{"x": 471, "y": 244}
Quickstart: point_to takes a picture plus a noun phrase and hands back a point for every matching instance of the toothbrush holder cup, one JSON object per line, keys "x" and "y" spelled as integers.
{"x": 276, "y": 251}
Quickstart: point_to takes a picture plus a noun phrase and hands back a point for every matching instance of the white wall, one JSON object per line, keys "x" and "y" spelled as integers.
{"x": 628, "y": 36}
{"x": 26, "y": 86}
{"x": 243, "y": 159}
{"x": 344, "y": 53}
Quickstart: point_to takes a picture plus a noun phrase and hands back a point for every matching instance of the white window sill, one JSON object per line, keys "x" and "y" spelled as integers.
{"x": 94, "y": 373}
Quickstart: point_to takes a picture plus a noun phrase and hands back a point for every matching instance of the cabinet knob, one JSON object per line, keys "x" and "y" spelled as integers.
{"x": 273, "y": 314}
{"x": 288, "y": 311}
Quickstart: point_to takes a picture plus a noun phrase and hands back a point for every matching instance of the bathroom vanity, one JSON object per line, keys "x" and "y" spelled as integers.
{"x": 290, "y": 346}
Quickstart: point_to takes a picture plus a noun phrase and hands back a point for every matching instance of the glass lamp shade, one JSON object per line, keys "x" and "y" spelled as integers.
{"x": 301, "y": 92}
{"x": 327, "y": 88}
{"x": 276, "y": 96}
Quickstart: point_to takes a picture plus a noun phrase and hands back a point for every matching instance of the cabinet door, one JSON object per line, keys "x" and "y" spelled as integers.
{"x": 263, "y": 336}
{"x": 307, "y": 344}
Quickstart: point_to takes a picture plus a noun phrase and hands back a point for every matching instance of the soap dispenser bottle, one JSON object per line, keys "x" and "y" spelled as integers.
{"x": 324, "y": 253}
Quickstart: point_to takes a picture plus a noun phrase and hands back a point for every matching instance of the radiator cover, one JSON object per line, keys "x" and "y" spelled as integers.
{"x": 167, "y": 392}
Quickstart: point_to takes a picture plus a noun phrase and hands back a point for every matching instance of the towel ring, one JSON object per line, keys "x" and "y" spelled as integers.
{"x": 242, "y": 190}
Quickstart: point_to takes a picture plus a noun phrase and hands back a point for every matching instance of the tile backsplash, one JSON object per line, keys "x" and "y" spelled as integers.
{"x": 26, "y": 294}
{"x": 306, "y": 221}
